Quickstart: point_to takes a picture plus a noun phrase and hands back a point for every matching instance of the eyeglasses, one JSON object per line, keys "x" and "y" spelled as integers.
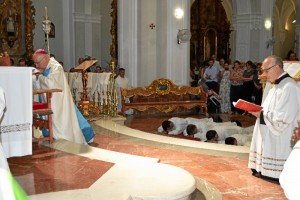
{"x": 266, "y": 70}
{"x": 37, "y": 63}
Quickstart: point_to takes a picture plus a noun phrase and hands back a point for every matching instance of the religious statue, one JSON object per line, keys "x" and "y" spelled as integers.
{"x": 10, "y": 26}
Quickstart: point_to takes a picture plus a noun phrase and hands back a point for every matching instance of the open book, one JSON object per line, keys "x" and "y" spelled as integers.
{"x": 248, "y": 106}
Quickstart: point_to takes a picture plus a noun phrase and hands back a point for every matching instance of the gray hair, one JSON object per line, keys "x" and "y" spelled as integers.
{"x": 276, "y": 60}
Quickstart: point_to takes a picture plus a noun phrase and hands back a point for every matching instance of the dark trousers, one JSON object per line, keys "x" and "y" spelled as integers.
{"x": 235, "y": 94}
{"x": 247, "y": 90}
{"x": 213, "y": 85}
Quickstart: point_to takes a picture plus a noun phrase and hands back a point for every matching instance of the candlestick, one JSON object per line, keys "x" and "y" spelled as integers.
{"x": 46, "y": 13}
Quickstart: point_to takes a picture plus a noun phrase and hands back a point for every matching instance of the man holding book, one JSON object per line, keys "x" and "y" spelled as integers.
{"x": 271, "y": 142}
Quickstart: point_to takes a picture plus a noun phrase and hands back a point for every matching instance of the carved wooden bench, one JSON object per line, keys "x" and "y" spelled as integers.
{"x": 165, "y": 96}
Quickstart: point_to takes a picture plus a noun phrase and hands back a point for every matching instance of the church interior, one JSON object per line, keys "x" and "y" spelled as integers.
{"x": 162, "y": 45}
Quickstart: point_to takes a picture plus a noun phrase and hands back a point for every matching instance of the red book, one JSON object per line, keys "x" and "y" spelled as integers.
{"x": 248, "y": 106}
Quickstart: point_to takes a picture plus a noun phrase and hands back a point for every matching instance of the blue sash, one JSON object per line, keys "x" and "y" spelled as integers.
{"x": 46, "y": 72}
{"x": 45, "y": 132}
{"x": 85, "y": 127}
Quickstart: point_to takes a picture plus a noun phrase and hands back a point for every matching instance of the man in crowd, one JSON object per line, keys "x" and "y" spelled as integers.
{"x": 68, "y": 122}
{"x": 98, "y": 69}
{"x": 211, "y": 76}
{"x": 271, "y": 142}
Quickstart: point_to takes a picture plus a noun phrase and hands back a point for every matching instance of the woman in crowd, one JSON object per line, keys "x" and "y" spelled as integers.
{"x": 248, "y": 85}
{"x": 225, "y": 90}
{"x": 257, "y": 90}
{"x": 236, "y": 77}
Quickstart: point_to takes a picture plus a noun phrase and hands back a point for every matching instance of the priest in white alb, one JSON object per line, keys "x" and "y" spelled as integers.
{"x": 271, "y": 142}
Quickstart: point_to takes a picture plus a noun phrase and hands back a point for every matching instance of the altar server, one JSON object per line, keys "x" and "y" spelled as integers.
{"x": 122, "y": 82}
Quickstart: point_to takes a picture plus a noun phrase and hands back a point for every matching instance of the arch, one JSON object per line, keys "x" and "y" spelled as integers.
{"x": 284, "y": 30}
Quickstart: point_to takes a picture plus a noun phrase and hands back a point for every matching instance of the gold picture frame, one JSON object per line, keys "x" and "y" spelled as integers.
{"x": 16, "y": 27}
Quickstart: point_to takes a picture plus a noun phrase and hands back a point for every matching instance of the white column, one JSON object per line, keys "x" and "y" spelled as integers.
{"x": 178, "y": 61}
{"x": 88, "y": 28}
{"x": 250, "y": 34}
{"x": 68, "y": 34}
{"x": 267, "y": 9}
{"x": 127, "y": 39}
{"x": 241, "y": 25}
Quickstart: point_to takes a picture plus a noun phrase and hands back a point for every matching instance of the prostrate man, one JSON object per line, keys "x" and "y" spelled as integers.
{"x": 176, "y": 125}
{"x": 68, "y": 122}
{"x": 271, "y": 142}
{"x": 173, "y": 126}
{"x": 199, "y": 128}
{"x": 290, "y": 176}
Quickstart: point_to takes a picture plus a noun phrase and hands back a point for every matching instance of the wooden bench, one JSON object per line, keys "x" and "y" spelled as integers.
{"x": 43, "y": 109}
{"x": 164, "y": 96}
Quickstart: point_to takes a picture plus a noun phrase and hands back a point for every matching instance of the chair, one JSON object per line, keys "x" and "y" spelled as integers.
{"x": 42, "y": 114}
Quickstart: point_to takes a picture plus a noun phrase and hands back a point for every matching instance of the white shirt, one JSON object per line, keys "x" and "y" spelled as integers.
{"x": 213, "y": 72}
{"x": 290, "y": 176}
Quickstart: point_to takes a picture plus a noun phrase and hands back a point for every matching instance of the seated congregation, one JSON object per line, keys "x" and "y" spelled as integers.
{"x": 210, "y": 130}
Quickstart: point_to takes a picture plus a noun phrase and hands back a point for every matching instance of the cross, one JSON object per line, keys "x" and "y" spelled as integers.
{"x": 152, "y": 26}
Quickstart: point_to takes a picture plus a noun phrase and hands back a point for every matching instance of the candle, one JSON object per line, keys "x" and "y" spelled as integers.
{"x": 46, "y": 13}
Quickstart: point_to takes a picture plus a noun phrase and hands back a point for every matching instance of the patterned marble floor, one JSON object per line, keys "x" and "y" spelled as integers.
{"x": 51, "y": 170}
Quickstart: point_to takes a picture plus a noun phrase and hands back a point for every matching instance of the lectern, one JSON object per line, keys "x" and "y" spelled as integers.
{"x": 84, "y": 103}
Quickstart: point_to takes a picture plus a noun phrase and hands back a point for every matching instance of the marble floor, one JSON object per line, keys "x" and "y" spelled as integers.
{"x": 66, "y": 170}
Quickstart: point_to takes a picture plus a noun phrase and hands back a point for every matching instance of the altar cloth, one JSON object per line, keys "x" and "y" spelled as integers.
{"x": 16, "y": 125}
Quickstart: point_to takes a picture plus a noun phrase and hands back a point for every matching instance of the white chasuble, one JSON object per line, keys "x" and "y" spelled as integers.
{"x": 65, "y": 122}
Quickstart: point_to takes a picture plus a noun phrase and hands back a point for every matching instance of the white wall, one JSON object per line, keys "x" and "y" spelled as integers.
{"x": 149, "y": 53}
{"x": 55, "y": 15}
